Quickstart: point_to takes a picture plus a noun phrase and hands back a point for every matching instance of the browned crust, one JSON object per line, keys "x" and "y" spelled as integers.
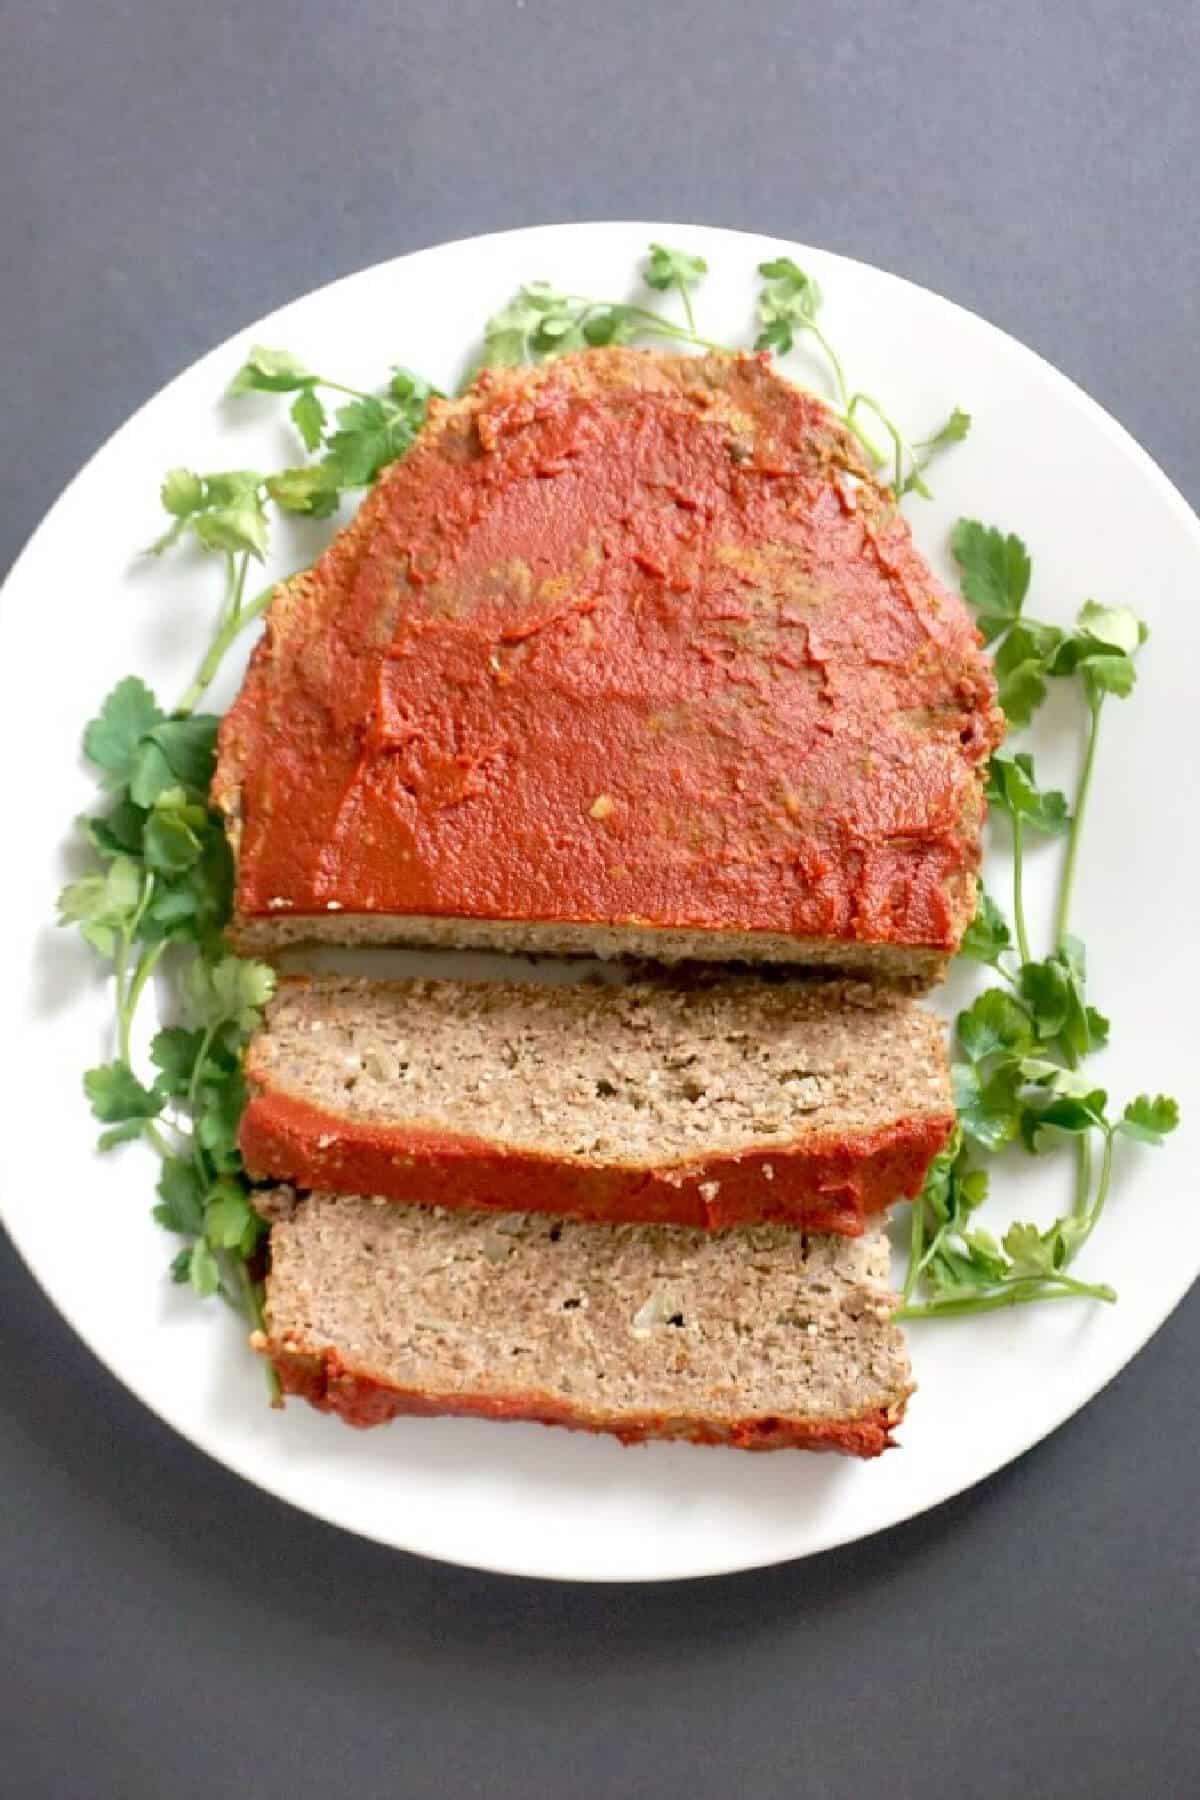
{"x": 361, "y": 1399}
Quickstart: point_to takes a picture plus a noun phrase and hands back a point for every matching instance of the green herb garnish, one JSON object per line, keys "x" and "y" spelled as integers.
{"x": 163, "y": 882}
{"x": 163, "y": 876}
{"x": 1017, "y": 1078}
{"x": 788, "y": 304}
{"x": 676, "y": 269}
{"x": 540, "y": 322}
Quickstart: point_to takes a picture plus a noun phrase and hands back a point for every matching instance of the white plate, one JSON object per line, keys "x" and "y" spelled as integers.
{"x": 1101, "y": 521}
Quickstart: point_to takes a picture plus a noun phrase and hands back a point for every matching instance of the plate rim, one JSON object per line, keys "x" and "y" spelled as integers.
{"x": 241, "y": 1464}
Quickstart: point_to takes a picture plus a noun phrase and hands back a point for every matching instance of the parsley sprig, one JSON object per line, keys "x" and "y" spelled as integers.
{"x": 540, "y": 322}
{"x": 1017, "y": 1076}
{"x": 788, "y": 306}
{"x": 676, "y": 269}
{"x": 228, "y": 512}
{"x": 160, "y": 891}
{"x": 162, "y": 883}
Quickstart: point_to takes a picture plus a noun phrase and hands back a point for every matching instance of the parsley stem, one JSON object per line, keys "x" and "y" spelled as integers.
{"x": 239, "y": 586}
{"x": 250, "y": 1301}
{"x": 1066, "y": 888}
{"x": 652, "y": 323}
{"x": 210, "y": 1032}
{"x": 1023, "y": 1291}
{"x": 141, "y": 975}
{"x": 868, "y": 443}
{"x": 232, "y": 625}
{"x": 1091, "y": 1216}
{"x": 1083, "y": 1172}
{"x": 154, "y": 1137}
{"x": 339, "y": 387}
{"x": 1018, "y": 890}
{"x": 931, "y": 1249}
{"x": 839, "y": 374}
{"x": 127, "y": 995}
{"x": 915, "y": 1245}
{"x": 120, "y": 963}
{"x": 247, "y": 1295}
{"x": 688, "y": 314}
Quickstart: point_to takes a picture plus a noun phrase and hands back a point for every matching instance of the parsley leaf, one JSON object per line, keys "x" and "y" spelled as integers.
{"x": 224, "y": 511}
{"x": 230, "y": 1222}
{"x": 174, "y": 1052}
{"x": 1054, "y": 992}
{"x": 1149, "y": 1120}
{"x": 1102, "y": 650}
{"x": 665, "y": 268}
{"x": 271, "y": 372}
{"x": 1074, "y": 1114}
{"x": 181, "y": 1197}
{"x": 1023, "y": 661}
{"x": 202, "y": 1269}
{"x": 956, "y": 428}
{"x": 181, "y": 493}
{"x": 173, "y": 838}
{"x": 189, "y": 747}
{"x": 236, "y": 522}
{"x": 989, "y": 1113}
{"x": 1106, "y": 674}
{"x": 115, "y": 1093}
{"x": 119, "y": 832}
{"x": 788, "y": 305}
{"x": 309, "y": 417}
{"x": 994, "y": 1022}
{"x": 539, "y": 322}
{"x": 103, "y": 906}
{"x": 1117, "y": 628}
{"x": 1012, "y": 785}
{"x": 987, "y": 937}
{"x": 312, "y": 489}
{"x": 112, "y": 737}
{"x": 218, "y": 1114}
{"x": 370, "y": 435}
{"x": 230, "y": 989}
{"x": 995, "y": 574}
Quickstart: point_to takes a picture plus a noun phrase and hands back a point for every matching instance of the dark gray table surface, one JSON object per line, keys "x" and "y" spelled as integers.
{"x": 168, "y": 172}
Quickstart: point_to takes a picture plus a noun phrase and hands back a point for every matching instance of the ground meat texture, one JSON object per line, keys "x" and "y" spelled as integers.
{"x": 757, "y": 1339}
{"x": 709, "y": 1103}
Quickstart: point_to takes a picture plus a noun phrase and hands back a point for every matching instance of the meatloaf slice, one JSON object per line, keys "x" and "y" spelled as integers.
{"x": 761, "y": 1338}
{"x": 628, "y": 655}
{"x": 814, "y": 1104}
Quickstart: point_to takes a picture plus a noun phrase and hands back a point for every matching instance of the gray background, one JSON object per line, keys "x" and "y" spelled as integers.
{"x": 169, "y": 171}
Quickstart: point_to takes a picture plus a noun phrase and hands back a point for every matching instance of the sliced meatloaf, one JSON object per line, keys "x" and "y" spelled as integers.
{"x": 628, "y": 655}
{"x": 761, "y": 1339}
{"x": 812, "y": 1103}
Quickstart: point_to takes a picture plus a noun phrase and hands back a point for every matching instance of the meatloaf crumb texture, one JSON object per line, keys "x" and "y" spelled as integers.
{"x": 760, "y": 1339}
{"x": 811, "y": 1102}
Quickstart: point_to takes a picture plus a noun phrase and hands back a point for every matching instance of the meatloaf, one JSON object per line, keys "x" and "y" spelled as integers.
{"x": 761, "y": 1339}
{"x": 811, "y": 1103}
{"x": 629, "y": 655}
